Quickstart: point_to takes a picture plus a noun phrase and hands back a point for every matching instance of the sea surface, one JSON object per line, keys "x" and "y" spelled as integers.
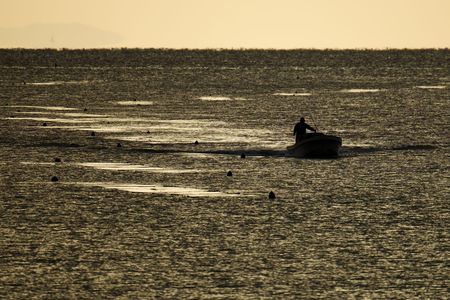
{"x": 141, "y": 141}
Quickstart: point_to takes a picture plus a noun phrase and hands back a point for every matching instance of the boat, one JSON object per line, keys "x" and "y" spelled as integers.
{"x": 316, "y": 145}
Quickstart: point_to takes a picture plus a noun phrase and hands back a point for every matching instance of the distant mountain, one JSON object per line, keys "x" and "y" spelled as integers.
{"x": 72, "y": 35}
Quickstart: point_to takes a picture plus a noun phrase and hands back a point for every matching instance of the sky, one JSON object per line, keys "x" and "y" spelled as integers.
{"x": 279, "y": 24}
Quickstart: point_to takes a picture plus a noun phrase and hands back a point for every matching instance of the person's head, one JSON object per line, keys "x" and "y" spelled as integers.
{"x": 302, "y": 120}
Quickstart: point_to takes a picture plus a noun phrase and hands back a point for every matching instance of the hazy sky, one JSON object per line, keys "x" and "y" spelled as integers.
{"x": 226, "y": 23}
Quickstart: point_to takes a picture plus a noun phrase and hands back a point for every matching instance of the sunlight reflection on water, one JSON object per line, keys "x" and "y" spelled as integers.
{"x": 42, "y": 107}
{"x": 431, "y": 87}
{"x": 132, "y": 167}
{"x": 56, "y": 120}
{"x": 361, "y": 90}
{"x": 159, "y": 189}
{"x": 292, "y": 94}
{"x": 220, "y": 98}
{"x": 134, "y": 102}
{"x": 57, "y": 82}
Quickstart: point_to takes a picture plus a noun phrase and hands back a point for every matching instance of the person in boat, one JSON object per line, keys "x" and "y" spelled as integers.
{"x": 300, "y": 129}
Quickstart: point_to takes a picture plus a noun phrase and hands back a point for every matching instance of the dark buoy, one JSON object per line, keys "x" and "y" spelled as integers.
{"x": 196, "y": 142}
{"x": 54, "y": 179}
{"x": 44, "y": 124}
{"x": 57, "y": 159}
{"x": 243, "y": 155}
{"x": 230, "y": 173}
{"x": 271, "y": 195}
{"x": 92, "y": 133}
{"x": 148, "y": 131}
{"x": 119, "y": 145}
{"x": 85, "y": 109}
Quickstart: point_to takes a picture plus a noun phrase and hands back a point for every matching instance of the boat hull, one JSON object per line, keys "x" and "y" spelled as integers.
{"x": 316, "y": 146}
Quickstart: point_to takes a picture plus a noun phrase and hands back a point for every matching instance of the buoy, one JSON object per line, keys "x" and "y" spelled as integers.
{"x": 85, "y": 109}
{"x": 271, "y": 195}
{"x": 196, "y": 142}
{"x": 243, "y": 155}
{"x": 54, "y": 179}
{"x": 57, "y": 159}
{"x": 92, "y": 133}
{"x": 45, "y": 124}
{"x": 119, "y": 145}
{"x": 230, "y": 173}
{"x": 148, "y": 131}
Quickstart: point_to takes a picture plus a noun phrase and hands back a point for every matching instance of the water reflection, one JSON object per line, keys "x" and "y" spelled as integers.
{"x": 159, "y": 189}
{"x": 431, "y": 87}
{"x": 55, "y": 113}
{"x": 56, "y": 120}
{"x": 292, "y": 94}
{"x": 133, "y": 167}
{"x": 130, "y": 103}
{"x": 57, "y": 82}
{"x": 361, "y": 90}
{"x": 221, "y": 98}
{"x": 41, "y": 107}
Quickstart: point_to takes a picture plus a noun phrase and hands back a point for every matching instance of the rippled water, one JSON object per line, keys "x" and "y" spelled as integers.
{"x": 164, "y": 170}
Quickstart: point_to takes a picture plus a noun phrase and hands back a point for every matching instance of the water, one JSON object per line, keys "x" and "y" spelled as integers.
{"x": 158, "y": 217}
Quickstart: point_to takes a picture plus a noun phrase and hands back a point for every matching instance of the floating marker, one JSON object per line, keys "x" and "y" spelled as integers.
{"x": 85, "y": 109}
{"x": 119, "y": 145}
{"x": 54, "y": 179}
{"x": 196, "y": 142}
{"x": 45, "y": 124}
{"x": 243, "y": 155}
{"x": 271, "y": 195}
{"x": 230, "y": 173}
{"x": 57, "y": 159}
{"x": 92, "y": 133}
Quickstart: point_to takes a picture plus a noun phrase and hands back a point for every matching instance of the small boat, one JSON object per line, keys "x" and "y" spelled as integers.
{"x": 316, "y": 145}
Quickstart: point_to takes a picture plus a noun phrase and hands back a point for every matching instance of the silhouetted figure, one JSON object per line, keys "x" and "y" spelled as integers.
{"x": 300, "y": 129}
